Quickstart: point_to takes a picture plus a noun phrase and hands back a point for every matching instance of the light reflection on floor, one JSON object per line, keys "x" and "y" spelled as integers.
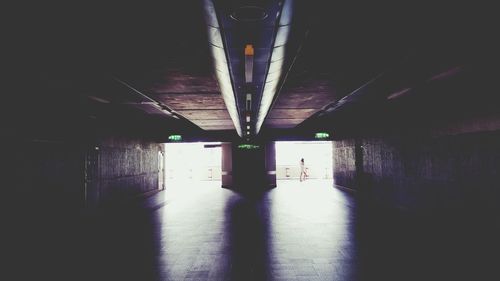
{"x": 298, "y": 230}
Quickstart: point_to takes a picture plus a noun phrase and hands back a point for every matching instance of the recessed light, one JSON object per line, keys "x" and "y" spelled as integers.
{"x": 249, "y": 13}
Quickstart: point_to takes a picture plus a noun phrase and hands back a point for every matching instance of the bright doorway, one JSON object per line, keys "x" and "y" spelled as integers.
{"x": 317, "y": 155}
{"x": 199, "y": 161}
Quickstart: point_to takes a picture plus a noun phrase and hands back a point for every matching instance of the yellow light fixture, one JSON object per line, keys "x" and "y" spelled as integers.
{"x": 249, "y": 52}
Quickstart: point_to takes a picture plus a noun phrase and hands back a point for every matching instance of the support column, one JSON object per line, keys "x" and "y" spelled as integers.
{"x": 254, "y": 168}
{"x": 227, "y": 165}
{"x": 270, "y": 154}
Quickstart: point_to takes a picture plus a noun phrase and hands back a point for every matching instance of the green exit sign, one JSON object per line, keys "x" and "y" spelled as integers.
{"x": 248, "y": 146}
{"x": 322, "y": 135}
{"x": 175, "y": 138}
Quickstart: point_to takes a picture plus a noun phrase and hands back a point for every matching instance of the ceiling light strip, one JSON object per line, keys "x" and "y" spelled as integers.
{"x": 277, "y": 56}
{"x": 221, "y": 64}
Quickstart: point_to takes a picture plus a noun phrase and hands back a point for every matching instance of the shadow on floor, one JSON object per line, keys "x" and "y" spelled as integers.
{"x": 294, "y": 232}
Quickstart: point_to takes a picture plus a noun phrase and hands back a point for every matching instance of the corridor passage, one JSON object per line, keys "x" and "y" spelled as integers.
{"x": 298, "y": 231}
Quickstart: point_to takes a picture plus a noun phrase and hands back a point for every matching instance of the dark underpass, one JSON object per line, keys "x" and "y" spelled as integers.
{"x": 396, "y": 101}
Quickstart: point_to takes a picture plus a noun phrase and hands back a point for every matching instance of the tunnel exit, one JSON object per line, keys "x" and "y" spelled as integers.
{"x": 200, "y": 161}
{"x": 317, "y": 164}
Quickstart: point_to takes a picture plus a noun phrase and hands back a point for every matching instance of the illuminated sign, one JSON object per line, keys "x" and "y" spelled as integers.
{"x": 248, "y": 146}
{"x": 175, "y": 138}
{"x": 322, "y": 135}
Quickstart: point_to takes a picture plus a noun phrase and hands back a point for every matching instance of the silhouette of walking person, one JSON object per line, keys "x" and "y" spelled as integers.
{"x": 303, "y": 174}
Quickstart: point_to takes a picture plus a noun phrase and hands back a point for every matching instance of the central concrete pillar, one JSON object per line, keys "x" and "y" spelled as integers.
{"x": 249, "y": 168}
{"x": 270, "y": 154}
{"x": 227, "y": 165}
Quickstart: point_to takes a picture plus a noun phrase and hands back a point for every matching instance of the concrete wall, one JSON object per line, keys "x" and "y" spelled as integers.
{"x": 126, "y": 167}
{"x": 344, "y": 168}
{"x": 49, "y": 173}
{"x": 426, "y": 173}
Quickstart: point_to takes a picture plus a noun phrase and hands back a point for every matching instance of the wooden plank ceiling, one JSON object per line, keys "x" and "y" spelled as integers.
{"x": 196, "y": 97}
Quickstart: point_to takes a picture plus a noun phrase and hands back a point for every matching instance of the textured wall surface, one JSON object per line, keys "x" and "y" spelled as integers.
{"x": 127, "y": 167}
{"x": 447, "y": 172}
{"x": 66, "y": 174}
{"x": 344, "y": 163}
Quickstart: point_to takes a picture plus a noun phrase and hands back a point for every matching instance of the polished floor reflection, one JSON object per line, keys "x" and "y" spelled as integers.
{"x": 298, "y": 231}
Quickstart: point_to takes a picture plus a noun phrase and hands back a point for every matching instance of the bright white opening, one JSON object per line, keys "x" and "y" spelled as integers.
{"x": 317, "y": 156}
{"x": 198, "y": 161}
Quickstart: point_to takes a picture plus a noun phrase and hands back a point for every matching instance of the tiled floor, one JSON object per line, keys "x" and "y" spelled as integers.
{"x": 298, "y": 231}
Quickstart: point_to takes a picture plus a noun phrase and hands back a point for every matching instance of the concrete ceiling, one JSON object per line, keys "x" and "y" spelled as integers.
{"x": 196, "y": 97}
{"x": 298, "y": 101}
{"x": 160, "y": 49}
